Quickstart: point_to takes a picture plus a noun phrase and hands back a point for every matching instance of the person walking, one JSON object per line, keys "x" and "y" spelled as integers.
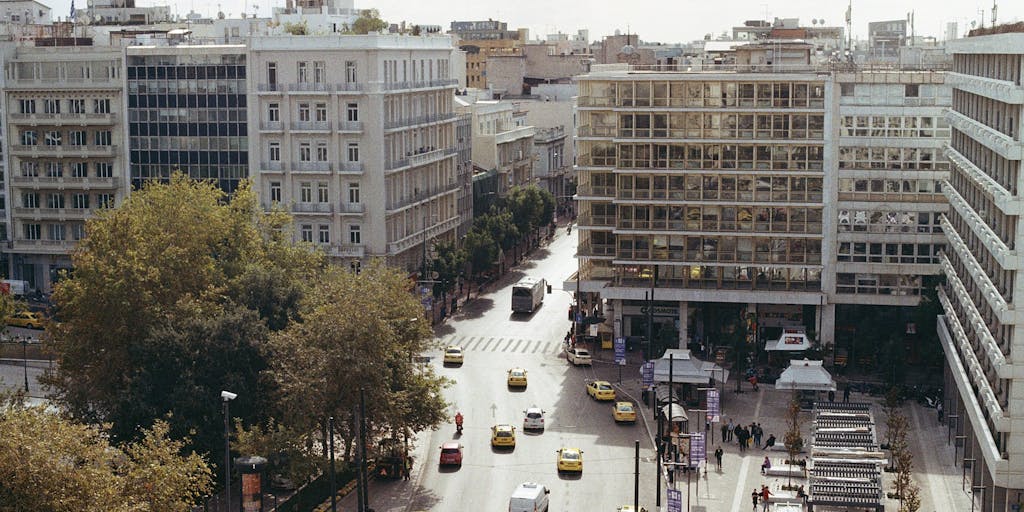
{"x": 753, "y": 497}
{"x": 831, "y": 396}
{"x": 846, "y": 393}
{"x": 765, "y": 493}
{"x": 718, "y": 458}
{"x": 732, "y": 429}
{"x": 725, "y": 433}
{"x": 938, "y": 408}
{"x": 757, "y": 434}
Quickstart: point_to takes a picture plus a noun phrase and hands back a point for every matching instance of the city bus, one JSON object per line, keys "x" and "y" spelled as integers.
{"x": 527, "y": 295}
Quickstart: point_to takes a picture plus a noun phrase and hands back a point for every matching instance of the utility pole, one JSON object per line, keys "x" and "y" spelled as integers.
{"x": 636, "y": 475}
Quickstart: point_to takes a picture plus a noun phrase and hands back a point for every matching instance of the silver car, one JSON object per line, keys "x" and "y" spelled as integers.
{"x": 579, "y": 356}
{"x": 533, "y": 419}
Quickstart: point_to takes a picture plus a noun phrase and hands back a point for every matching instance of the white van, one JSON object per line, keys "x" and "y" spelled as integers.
{"x": 529, "y": 497}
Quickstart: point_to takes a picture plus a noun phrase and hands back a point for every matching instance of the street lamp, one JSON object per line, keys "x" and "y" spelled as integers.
{"x": 225, "y": 397}
{"x": 334, "y": 487}
{"x": 24, "y": 356}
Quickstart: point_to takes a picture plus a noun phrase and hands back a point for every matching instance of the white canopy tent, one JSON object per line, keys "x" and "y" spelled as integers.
{"x": 687, "y": 369}
{"x": 792, "y": 340}
{"x": 675, "y": 412}
{"x": 806, "y": 375}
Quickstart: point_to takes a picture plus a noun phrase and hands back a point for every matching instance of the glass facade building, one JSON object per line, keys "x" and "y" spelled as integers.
{"x": 187, "y": 112}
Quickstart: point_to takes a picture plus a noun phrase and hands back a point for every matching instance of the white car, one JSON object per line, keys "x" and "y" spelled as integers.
{"x": 578, "y": 356}
{"x": 533, "y": 419}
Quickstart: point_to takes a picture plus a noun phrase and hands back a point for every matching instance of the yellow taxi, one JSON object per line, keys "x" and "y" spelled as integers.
{"x": 453, "y": 355}
{"x": 630, "y": 508}
{"x": 517, "y": 378}
{"x": 570, "y": 459}
{"x": 27, "y": 319}
{"x": 623, "y": 412}
{"x": 600, "y": 390}
{"x": 503, "y": 435}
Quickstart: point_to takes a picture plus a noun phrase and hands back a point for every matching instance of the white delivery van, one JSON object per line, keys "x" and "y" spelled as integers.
{"x": 529, "y": 497}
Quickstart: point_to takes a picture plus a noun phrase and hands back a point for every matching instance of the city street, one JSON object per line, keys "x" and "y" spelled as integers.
{"x": 494, "y": 340}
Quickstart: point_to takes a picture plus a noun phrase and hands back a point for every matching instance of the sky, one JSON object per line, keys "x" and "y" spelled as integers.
{"x": 667, "y": 21}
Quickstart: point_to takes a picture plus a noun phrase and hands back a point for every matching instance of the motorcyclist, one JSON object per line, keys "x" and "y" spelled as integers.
{"x": 458, "y": 421}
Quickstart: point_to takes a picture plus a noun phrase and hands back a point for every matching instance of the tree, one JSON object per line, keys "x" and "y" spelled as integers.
{"x": 173, "y": 295}
{"x": 369, "y": 21}
{"x": 481, "y": 251}
{"x": 48, "y": 462}
{"x": 794, "y": 440}
{"x": 365, "y": 341}
{"x": 449, "y": 263}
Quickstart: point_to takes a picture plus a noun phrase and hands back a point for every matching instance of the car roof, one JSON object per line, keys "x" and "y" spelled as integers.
{"x": 503, "y": 426}
{"x": 517, "y": 370}
{"x": 599, "y": 382}
{"x": 570, "y": 450}
{"x": 533, "y": 409}
{"x": 450, "y": 445}
{"x": 624, "y": 404}
{"x": 453, "y": 347}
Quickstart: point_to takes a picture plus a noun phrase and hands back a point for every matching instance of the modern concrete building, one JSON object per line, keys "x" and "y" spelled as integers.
{"x": 501, "y": 141}
{"x": 885, "y": 38}
{"x": 519, "y": 73}
{"x": 64, "y": 136}
{"x": 186, "y": 111}
{"x": 981, "y": 331}
{"x": 355, "y": 135}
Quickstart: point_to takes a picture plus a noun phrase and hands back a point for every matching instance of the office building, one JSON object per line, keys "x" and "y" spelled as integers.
{"x": 482, "y": 39}
{"x": 981, "y": 331}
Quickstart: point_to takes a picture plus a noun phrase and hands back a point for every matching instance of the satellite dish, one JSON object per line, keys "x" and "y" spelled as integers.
{"x": 814, "y": 21}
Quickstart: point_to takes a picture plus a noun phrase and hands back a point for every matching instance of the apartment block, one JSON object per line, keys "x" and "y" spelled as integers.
{"x": 502, "y": 142}
{"x": 356, "y": 136}
{"x": 187, "y": 112}
{"x": 481, "y": 40}
{"x": 981, "y": 331}
{"x": 64, "y": 137}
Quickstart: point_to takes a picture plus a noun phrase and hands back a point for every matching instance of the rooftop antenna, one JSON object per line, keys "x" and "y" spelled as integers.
{"x": 849, "y": 26}
{"x": 994, "y": 9}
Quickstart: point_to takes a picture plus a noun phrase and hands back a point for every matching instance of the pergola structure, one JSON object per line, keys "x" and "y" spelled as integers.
{"x": 845, "y": 467}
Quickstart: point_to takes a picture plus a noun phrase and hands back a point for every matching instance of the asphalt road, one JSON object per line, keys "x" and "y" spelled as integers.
{"x": 495, "y": 340}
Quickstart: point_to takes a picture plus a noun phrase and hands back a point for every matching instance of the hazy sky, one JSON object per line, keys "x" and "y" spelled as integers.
{"x": 655, "y": 20}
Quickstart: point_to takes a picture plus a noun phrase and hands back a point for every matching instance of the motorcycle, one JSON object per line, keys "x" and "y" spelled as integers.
{"x": 458, "y": 424}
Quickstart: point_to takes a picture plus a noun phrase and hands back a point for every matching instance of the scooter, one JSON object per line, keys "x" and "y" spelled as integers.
{"x": 458, "y": 426}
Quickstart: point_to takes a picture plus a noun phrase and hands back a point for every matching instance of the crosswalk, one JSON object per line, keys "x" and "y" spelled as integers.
{"x": 502, "y": 344}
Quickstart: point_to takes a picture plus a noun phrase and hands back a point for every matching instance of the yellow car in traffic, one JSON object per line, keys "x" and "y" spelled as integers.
{"x": 453, "y": 355}
{"x": 623, "y": 412}
{"x": 570, "y": 459}
{"x": 517, "y": 378}
{"x": 503, "y": 436}
{"x": 26, "y": 319}
{"x": 601, "y": 390}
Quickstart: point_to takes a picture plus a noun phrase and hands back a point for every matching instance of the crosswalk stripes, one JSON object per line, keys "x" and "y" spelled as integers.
{"x": 502, "y": 344}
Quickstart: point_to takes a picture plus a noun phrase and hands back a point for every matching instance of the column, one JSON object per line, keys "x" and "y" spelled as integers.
{"x": 826, "y": 327}
{"x": 616, "y": 307}
{"x": 684, "y": 313}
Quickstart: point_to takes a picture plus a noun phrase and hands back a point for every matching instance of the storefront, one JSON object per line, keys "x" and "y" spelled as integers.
{"x": 634, "y": 319}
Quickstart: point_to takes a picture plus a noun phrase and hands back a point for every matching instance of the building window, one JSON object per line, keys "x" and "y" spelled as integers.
{"x": 350, "y": 71}
{"x": 273, "y": 112}
{"x": 274, "y": 151}
{"x": 51, "y": 106}
{"x": 79, "y": 170}
{"x": 78, "y": 138}
{"x": 33, "y": 231}
{"x": 275, "y": 191}
{"x": 30, "y": 199}
{"x": 353, "y": 152}
{"x": 322, "y": 192}
{"x": 303, "y": 73}
{"x": 52, "y": 138}
{"x": 321, "y": 112}
{"x": 846, "y": 89}
{"x": 912, "y": 90}
{"x": 324, "y": 234}
{"x": 307, "y": 232}
{"x": 303, "y": 111}
{"x": 352, "y": 112}
{"x": 104, "y": 170}
{"x": 103, "y": 138}
{"x": 305, "y": 152}
{"x": 305, "y": 192}
{"x": 319, "y": 72}
{"x": 354, "y": 236}
{"x": 29, "y": 138}
{"x": 76, "y": 106}
{"x": 105, "y": 200}
{"x": 30, "y": 169}
{"x": 272, "y": 73}
{"x": 57, "y": 232}
{"x": 54, "y": 201}
{"x": 321, "y": 151}
{"x": 54, "y": 170}
{"x": 80, "y": 201}
{"x": 77, "y": 231}
{"x": 27, "y": 106}
{"x": 101, "y": 106}
{"x": 353, "y": 193}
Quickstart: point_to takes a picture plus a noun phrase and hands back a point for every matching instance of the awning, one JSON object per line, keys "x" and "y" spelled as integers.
{"x": 805, "y": 374}
{"x": 791, "y": 340}
{"x": 687, "y": 369}
{"x": 678, "y": 413}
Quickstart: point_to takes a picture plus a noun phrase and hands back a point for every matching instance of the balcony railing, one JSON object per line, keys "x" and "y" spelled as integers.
{"x": 413, "y": 121}
{"x": 272, "y": 166}
{"x": 60, "y": 181}
{"x": 64, "y": 151}
{"x": 309, "y": 87}
{"x": 82, "y": 118}
{"x": 311, "y": 126}
{"x": 421, "y": 158}
{"x": 348, "y": 87}
{"x": 347, "y": 251}
{"x": 351, "y": 167}
{"x": 595, "y": 191}
{"x": 54, "y": 213}
{"x": 312, "y": 208}
{"x": 352, "y": 208}
{"x": 350, "y": 126}
{"x": 270, "y": 88}
{"x": 272, "y": 126}
{"x": 394, "y": 86}
{"x": 311, "y": 166}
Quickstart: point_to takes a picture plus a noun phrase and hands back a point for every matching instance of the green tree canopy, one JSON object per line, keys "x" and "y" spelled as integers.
{"x": 369, "y": 21}
{"x": 50, "y": 463}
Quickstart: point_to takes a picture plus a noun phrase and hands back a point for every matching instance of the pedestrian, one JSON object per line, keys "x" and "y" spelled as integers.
{"x": 831, "y": 396}
{"x": 406, "y": 468}
{"x": 766, "y": 465}
{"x": 765, "y": 493}
{"x": 718, "y": 457}
{"x": 769, "y": 442}
{"x": 938, "y": 408}
{"x": 725, "y": 433}
{"x": 754, "y": 496}
{"x": 846, "y": 393}
{"x": 757, "y": 434}
{"x": 732, "y": 428}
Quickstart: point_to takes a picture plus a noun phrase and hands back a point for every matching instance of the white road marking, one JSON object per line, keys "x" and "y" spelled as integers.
{"x": 741, "y": 482}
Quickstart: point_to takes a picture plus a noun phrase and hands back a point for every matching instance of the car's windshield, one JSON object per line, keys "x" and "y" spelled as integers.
{"x": 533, "y": 415}
{"x": 570, "y": 455}
{"x": 603, "y": 387}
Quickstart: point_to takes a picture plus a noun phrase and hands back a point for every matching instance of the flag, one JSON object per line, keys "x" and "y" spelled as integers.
{"x": 72, "y": 16}
{"x": 849, "y": 12}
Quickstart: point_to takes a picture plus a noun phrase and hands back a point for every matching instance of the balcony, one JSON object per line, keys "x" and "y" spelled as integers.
{"x": 588, "y": 220}
{"x": 596, "y": 131}
{"x": 595, "y": 250}
{"x": 82, "y": 119}
{"x": 416, "y": 239}
{"x": 59, "y": 214}
{"x": 1006, "y": 258}
{"x": 352, "y": 208}
{"x": 418, "y": 120}
{"x": 981, "y": 279}
{"x": 323, "y": 208}
{"x": 350, "y": 126}
{"x": 74, "y": 84}
{"x": 349, "y": 87}
{"x": 396, "y": 86}
{"x": 1000, "y": 90}
{"x": 417, "y": 159}
{"x": 595, "y": 191}
{"x": 992, "y": 139}
{"x": 309, "y": 87}
{"x": 271, "y": 126}
{"x": 351, "y": 168}
{"x": 1000, "y": 196}
{"x": 63, "y": 151}
{"x": 513, "y": 135}
{"x": 276, "y": 166}
{"x": 271, "y": 88}
{"x": 419, "y": 196}
{"x": 61, "y": 182}
{"x": 347, "y": 251}
{"x": 311, "y": 166}
{"x": 311, "y": 126}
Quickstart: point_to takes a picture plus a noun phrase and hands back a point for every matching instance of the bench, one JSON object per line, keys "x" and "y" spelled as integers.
{"x": 783, "y": 496}
{"x": 782, "y": 448}
{"x": 786, "y": 470}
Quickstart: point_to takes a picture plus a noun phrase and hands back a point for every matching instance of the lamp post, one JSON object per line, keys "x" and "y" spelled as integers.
{"x": 334, "y": 486}
{"x": 24, "y": 356}
{"x": 225, "y": 397}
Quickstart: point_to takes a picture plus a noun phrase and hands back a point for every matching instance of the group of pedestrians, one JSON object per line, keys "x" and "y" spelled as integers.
{"x": 744, "y": 435}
